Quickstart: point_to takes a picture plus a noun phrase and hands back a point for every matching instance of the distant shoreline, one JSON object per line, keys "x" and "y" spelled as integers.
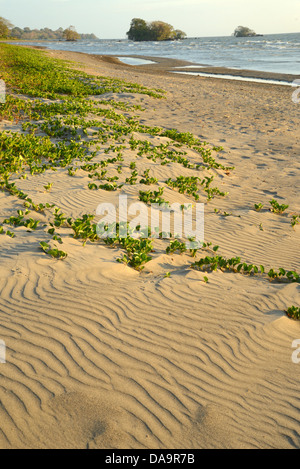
{"x": 125, "y": 39}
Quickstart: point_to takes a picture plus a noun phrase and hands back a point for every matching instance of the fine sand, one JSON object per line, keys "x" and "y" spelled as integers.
{"x": 101, "y": 356}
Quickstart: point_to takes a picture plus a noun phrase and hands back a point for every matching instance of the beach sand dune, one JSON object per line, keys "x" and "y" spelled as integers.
{"x": 102, "y": 356}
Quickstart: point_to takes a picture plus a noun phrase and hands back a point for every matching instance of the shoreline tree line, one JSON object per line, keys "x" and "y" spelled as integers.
{"x": 9, "y": 31}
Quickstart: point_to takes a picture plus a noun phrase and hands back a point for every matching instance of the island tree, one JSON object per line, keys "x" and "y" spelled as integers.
{"x": 178, "y": 34}
{"x": 161, "y": 31}
{"x": 140, "y": 30}
{"x": 243, "y": 31}
{"x": 70, "y": 34}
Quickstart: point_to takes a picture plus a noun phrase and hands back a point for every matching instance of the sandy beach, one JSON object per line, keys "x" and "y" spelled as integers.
{"x": 101, "y": 356}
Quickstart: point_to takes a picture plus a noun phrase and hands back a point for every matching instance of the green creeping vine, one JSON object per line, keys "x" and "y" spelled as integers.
{"x": 236, "y": 265}
{"x": 20, "y": 221}
{"x": 189, "y": 185}
{"x": 133, "y": 178}
{"x": 295, "y": 220}
{"x": 137, "y": 250}
{"x": 258, "y": 207}
{"x": 53, "y": 252}
{"x": 147, "y": 180}
{"x": 277, "y": 208}
{"x": 34, "y": 74}
{"x": 194, "y": 247}
{"x": 84, "y": 228}
{"x": 294, "y": 313}
{"x": 176, "y": 246}
{"x": 149, "y": 197}
{"x": 7, "y": 233}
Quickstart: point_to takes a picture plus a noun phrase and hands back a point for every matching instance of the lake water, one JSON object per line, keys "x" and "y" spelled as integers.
{"x": 271, "y": 53}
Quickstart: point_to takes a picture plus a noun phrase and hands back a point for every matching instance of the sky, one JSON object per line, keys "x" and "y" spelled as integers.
{"x": 110, "y": 19}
